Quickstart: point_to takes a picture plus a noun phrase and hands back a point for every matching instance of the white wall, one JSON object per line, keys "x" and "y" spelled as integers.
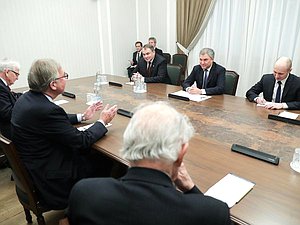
{"x": 64, "y": 30}
{"x": 121, "y": 23}
{"x": 83, "y": 35}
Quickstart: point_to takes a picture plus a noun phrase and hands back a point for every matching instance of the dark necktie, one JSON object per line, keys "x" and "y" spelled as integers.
{"x": 278, "y": 92}
{"x": 149, "y": 69}
{"x": 204, "y": 83}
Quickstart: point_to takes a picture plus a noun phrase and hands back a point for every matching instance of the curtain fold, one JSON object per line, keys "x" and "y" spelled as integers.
{"x": 192, "y": 17}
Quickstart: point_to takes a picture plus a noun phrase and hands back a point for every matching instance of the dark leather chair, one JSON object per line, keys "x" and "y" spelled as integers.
{"x": 174, "y": 72}
{"x": 24, "y": 187}
{"x": 167, "y": 57}
{"x": 180, "y": 59}
{"x": 231, "y": 82}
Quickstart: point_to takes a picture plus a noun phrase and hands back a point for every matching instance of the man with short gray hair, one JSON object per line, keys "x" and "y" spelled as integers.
{"x": 208, "y": 75}
{"x": 55, "y": 153}
{"x": 9, "y": 73}
{"x": 157, "y": 188}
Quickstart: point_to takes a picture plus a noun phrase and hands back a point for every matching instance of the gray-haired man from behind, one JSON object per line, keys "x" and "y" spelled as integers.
{"x": 157, "y": 188}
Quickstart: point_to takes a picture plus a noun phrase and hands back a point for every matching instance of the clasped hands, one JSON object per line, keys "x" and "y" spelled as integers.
{"x": 136, "y": 76}
{"x": 194, "y": 90}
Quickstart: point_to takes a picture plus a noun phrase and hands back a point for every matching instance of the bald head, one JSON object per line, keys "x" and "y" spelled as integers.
{"x": 282, "y": 68}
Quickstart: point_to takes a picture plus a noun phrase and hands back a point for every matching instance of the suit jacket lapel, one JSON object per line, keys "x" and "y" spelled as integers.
{"x": 287, "y": 84}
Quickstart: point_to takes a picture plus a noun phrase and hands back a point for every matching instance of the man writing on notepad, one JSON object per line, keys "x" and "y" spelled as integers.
{"x": 281, "y": 90}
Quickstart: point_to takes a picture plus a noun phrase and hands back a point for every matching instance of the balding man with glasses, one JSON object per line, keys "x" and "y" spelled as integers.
{"x": 9, "y": 73}
{"x": 55, "y": 153}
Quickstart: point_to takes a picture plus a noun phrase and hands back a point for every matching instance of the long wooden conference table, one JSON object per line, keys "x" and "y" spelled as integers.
{"x": 219, "y": 122}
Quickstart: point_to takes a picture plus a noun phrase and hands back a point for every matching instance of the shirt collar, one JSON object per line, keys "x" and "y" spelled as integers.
{"x": 284, "y": 80}
{"x": 4, "y": 81}
{"x": 49, "y": 98}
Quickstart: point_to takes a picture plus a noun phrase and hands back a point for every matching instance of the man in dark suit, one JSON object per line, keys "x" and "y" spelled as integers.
{"x": 55, "y": 153}
{"x": 209, "y": 76}
{"x": 152, "y": 41}
{"x": 137, "y": 55}
{"x": 9, "y": 73}
{"x": 157, "y": 188}
{"x": 152, "y": 67}
{"x": 281, "y": 90}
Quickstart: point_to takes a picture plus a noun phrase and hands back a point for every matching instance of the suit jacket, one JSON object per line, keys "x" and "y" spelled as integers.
{"x": 159, "y": 73}
{"x": 290, "y": 95}
{"x": 143, "y": 196}
{"x": 7, "y": 102}
{"x": 215, "y": 82}
{"x": 158, "y": 51}
{"x": 50, "y": 146}
{"x": 134, "y": 59}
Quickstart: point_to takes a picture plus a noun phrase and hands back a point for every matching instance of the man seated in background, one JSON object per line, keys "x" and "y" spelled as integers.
{"x": 137, "y": 55}
{"x": 152, "y": 41}
{"x": 157, "y": 188}
{"x": 208, "y": 75}
{"x": 55, "y": 153}
{"x": 152, "y": 67}
{"x": 281, "y": 90}
{"x": 9, "y": 73}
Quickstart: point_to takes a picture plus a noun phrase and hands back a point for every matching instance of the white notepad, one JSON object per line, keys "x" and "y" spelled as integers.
{"x": 196, "y": 98}
{"x": 83, "y": 128}
{"x": 230, "y": 189}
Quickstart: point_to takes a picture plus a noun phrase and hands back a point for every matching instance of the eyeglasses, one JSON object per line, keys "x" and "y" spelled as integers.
{"x": 17, "y": 74}
{"x": 66, "y": 76}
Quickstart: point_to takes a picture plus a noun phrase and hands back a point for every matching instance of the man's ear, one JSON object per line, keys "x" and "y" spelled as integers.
{"x": 181, "y": 154}
{"x": 52, "y": 85}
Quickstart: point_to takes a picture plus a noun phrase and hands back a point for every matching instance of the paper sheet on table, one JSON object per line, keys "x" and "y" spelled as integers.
{"x": 288, "y": 115}
{"x": 130, "y": 83}
{"x": 230, "y": 189}
{"x": 60, "y": 102}
{"x": 83, "y": 128}
{"x": 196, "y": 98}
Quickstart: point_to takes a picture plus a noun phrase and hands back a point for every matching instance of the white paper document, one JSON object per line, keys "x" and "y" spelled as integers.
{"x": 83, "y": 128}
{"x": 60, "y": 102}
{"x": 196, "y": 98}
{"x": 230, "y": 189}
{"x": 288, "y": 115}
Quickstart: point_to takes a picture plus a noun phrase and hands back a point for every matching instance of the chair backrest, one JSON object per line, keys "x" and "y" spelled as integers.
{"x": 180, "y": 59}
{"x": 24, "y": 185}
{"x": 231, "y": 82}
{"x": 167, "y": 57}
{"x": 174, "y": 72}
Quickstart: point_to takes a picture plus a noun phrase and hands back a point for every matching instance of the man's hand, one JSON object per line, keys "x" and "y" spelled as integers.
{"x": 183, "y": 181}
{"x": 273, "y": 105}
{"x": 194, "y": 90}
{"x": 108, "y": 113}
{"x": 90, "y": 111}
{"x": 260, "y": 100}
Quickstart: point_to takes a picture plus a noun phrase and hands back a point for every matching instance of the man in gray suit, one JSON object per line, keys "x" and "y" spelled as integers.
{"x": 157, "y": 188}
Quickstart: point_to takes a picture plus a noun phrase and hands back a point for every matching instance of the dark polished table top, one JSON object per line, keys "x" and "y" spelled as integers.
{"x": 219, "y": 122}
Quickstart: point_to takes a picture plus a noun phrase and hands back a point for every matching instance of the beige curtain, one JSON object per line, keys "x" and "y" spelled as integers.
{"x": 192, "y": 17}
